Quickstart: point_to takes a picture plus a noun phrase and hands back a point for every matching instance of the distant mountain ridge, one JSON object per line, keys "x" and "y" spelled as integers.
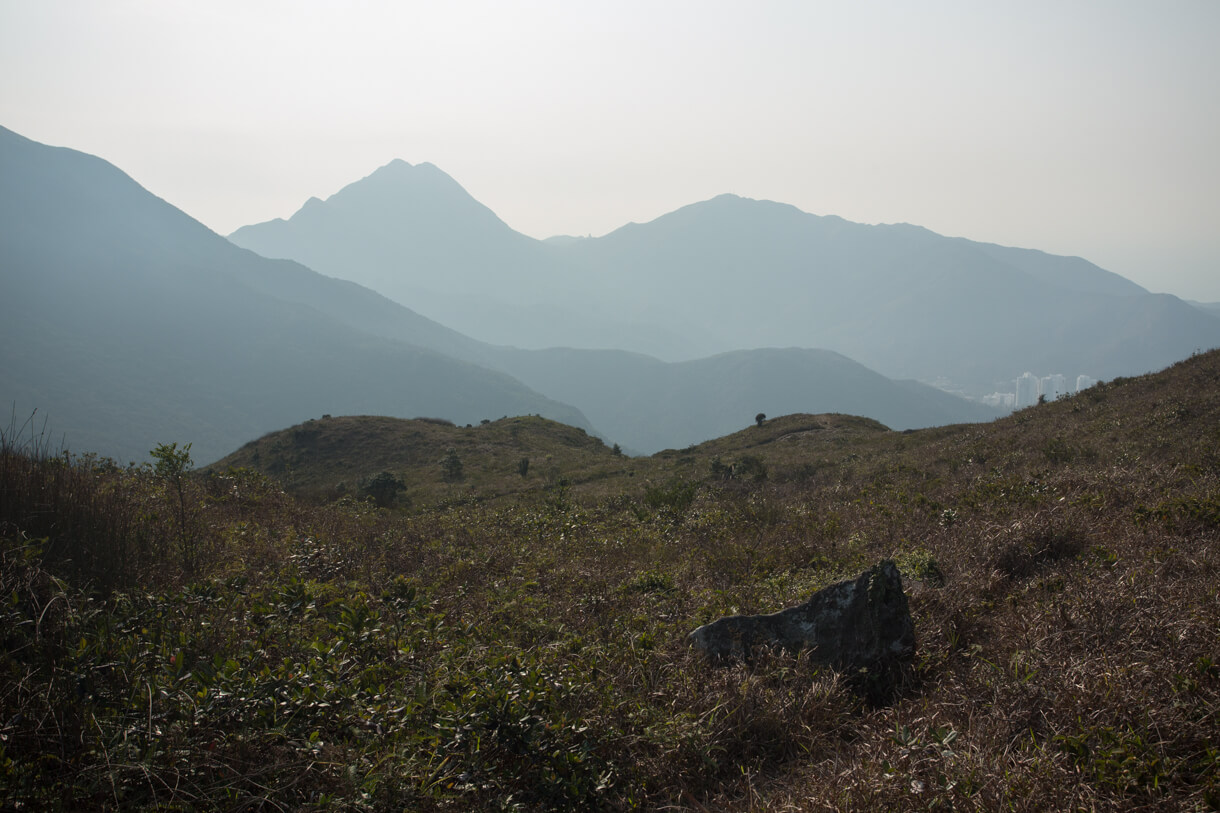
{"x": 131, "y": 324}
{"x": 128, "y": 323}
{"x": 1208, "y": 307}
{"x": 414, "y": 234}
{"x": 407, "y": 210}
{"x": 731, "y": 273}
{"x": 652, "y": 405}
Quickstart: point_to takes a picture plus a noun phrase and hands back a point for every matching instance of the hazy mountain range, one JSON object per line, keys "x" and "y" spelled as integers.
{"x": 1211, "y": 307}
{"x": 127, "y": 323}
{"x": 655, "y": 404}
{"x": 731, "y": 273}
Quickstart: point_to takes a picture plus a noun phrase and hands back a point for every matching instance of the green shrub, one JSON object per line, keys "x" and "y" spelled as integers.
{"x": 382, "y": 488}
{"x": 451, "y": 466}
{"x": 675, "y": 494}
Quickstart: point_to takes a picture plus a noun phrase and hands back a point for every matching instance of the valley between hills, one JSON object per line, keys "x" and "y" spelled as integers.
{"x": 284, "y": 543}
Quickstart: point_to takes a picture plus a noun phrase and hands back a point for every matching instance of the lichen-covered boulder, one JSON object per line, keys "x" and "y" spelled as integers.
{"x": 862, "y": 623}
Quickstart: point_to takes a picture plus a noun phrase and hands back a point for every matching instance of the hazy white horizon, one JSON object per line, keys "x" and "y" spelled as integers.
{"x": 1087, "y": 128}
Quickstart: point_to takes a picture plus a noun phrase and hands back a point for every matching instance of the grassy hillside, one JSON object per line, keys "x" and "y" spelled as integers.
{"x": 331, "y": 457}
{"x": 209, "y": 641}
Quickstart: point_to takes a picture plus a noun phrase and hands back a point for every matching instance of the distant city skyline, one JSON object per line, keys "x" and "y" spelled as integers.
{"x": 1083, "y": 129}
{"x": 1029, "y": 388}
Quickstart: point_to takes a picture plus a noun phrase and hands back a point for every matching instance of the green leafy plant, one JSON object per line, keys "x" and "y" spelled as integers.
{"x": 171, "y": 465}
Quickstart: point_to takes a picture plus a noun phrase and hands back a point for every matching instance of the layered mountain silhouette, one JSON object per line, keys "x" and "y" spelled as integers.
{"x": 128, "y": 323}
{"x": 731, "y": 273}
{"x": 414, "y": 234}
{"x": 1208, "y": 307}
{"x": 655, "y": 405}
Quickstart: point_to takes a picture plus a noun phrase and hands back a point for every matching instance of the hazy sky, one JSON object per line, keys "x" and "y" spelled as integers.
{"x": 1088, "y": 128}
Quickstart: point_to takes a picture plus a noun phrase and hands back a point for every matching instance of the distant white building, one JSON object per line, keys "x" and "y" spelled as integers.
{"x": 1030, "y": 387}
{"x": 1028, "y": 390}
{"x": 1052, "y": 386}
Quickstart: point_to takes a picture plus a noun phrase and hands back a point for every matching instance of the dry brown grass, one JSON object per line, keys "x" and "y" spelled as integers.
{"x": 527, "y": 646}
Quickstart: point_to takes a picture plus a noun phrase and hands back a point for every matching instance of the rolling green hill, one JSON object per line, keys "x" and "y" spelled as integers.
{"x": 327, "y": 459}
{"x": 331, "y": 457}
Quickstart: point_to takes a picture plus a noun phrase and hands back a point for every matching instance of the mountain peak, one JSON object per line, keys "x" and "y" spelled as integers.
{"x": 396, "y": 190}
{"x": 401, "y": 169}
{"x": 400, "y": 210}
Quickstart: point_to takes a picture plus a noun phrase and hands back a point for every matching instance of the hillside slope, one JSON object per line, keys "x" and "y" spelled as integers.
{"x": 332, "y": 457}
{"x": 530, "y": 648}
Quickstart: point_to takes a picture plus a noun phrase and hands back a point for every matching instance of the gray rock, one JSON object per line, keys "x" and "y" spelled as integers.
{"x": 862, "y": 623}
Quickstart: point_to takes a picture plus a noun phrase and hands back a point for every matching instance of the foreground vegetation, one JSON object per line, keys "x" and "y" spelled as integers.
{"x": 516, "y": 641}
